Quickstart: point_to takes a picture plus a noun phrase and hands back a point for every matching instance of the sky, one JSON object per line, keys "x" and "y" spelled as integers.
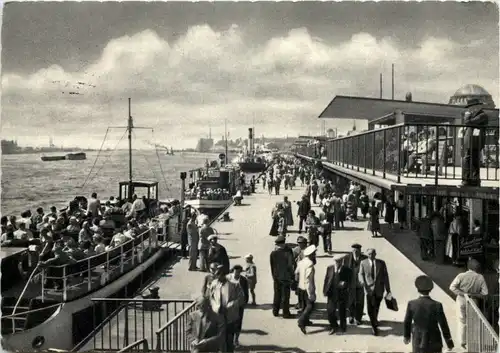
{"x": 188, "y": 67}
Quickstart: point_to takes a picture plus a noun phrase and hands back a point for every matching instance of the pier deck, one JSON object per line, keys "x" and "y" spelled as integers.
{"x": 249, "y": 233}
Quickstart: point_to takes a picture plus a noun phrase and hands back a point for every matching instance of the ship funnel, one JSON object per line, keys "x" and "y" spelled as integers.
{"x": 250, "y": 141}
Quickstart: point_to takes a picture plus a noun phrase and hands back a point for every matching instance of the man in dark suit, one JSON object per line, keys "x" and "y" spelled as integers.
{"x": 424, "y": 316}
{"x": 304, "y": 206}
{"x": 205, "y": 329}
{"x": 336, "y": 290}
{"x": 375, "y": 278}
{"x": 356, "y": 294}
{"x": 473, "y": 142}
{"x": 283, "y": 272}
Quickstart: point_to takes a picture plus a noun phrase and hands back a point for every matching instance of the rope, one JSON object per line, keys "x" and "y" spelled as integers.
{"x": 95, "y": 161}
{"x": 159, "y": 163}
{"x": 26, "y": 287}
{"x": 109, "y": 156}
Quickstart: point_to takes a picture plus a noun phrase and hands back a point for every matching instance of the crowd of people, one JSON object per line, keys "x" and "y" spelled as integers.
{"x": 351, "y": 283}
{"x": 84, "y": 229}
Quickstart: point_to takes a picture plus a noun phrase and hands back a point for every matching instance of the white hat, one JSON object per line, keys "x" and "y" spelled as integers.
{"x": 213, "y": 236}
{"x": 249, "y": 256}
{"x": 309, "y": 250}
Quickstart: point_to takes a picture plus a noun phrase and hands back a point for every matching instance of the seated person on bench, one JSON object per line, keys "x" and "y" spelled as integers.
{"x": 425, "y": 148}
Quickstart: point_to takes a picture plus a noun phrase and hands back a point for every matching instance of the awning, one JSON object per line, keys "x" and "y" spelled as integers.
{"x": 347, "y": 107}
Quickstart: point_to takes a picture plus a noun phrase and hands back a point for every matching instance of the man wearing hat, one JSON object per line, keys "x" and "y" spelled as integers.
{"x": 474, "y": 285}
{"x": 205, "y": 329}
{"x": 193, "y": 240}
{"x": 375, "y": 278}
{"x": 357, "y": 293}
{"x": 473, "y": 142}
{"x": 218, "y": 253}
{"x": 305, "y": 272}
{"x": 298, "y": 254}
{"x": 226, "y": 299}
{"x": 336, "y": 290}
{"x": 423, "y": 320}
{"x": 282, "y": 270}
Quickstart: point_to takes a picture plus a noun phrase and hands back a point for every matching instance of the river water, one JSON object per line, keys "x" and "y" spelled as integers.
{"x": 28, "y": 183}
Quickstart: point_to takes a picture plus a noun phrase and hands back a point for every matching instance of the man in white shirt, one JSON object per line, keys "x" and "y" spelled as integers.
{"x": 94, "y": 205}
{"x": 469, "y": 283}
{"x": 22, "y": 233}
{"x": 138, "y": 207}
{"x": 305, "y": 273}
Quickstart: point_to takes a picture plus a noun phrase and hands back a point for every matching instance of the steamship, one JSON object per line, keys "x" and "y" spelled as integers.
{"x": 250, "y": 162}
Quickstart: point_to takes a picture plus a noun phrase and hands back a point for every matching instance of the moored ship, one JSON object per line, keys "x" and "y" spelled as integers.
{"x": 249, "y": 161}
{"x": 40, "y": 301}
{"x": 211, "y": 190}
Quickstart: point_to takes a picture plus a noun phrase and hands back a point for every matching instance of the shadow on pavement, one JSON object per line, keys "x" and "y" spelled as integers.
{"x": 348, "y": 229}
{"x": 270, "y": 348}
{"x": 408, "y": 243}
{"x": 255, "y": 332}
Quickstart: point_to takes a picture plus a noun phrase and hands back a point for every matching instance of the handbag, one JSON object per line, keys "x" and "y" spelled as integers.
{"x": 391, "y": 303}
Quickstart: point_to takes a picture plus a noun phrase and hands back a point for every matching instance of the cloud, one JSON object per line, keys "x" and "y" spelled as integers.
{"x": 206, "y": 76}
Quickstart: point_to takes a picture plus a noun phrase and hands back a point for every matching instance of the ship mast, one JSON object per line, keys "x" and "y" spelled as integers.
{"x": 225, "y": 138}
{"x": 130, "y": 126}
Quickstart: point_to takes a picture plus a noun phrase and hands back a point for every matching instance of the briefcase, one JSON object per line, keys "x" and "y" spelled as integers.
{"x": 391, "y": 303}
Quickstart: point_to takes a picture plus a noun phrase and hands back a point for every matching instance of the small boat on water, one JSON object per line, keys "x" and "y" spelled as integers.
{"x": 80, "y": 156}
{"x": 53, "y": 158}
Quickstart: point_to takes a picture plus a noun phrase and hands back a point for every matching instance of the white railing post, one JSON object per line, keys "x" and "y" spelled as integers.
{"x": 64, "y": 284}
{"x": 89, "y": 277}
{"x": 42, "y": 278}
{"x": 106, "y": 269}
{"x": 121, "y": 258}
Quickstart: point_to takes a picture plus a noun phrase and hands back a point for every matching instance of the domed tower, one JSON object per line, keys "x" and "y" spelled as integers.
{"x": 472, "y": 91}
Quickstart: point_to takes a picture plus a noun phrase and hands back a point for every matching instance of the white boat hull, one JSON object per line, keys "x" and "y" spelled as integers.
{"x": 206, "y": 204}
{"x": 57, "y": 330}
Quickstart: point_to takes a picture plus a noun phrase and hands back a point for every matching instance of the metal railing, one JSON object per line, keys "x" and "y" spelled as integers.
{"x": 77, "y": 279}
{"x": 172, "y": 337}
{"x": 133, "y": 347}
{"x": 480, "y": 336}
{"x": 89, "y": 274}
{"x": 431, "y": 151}
{"x": 119, "y": 321}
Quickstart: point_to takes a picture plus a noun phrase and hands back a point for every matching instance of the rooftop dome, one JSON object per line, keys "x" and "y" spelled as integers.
{"x": 470, "y": 91}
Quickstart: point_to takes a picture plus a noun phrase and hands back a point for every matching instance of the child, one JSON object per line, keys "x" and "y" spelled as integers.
{"x": 251, "y": 274}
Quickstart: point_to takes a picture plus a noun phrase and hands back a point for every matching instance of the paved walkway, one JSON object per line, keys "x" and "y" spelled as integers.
{"x": 248, "y": 233}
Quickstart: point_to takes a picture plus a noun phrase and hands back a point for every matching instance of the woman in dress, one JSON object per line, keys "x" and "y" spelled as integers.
{"x": 401, "y": 209}
{"x": 374, "y": 224}
{"x": 365, "y": 204}
{"x": 389, "y": 212}
{"x": 275, "y": 217}
{"x": 236, "y": 277}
